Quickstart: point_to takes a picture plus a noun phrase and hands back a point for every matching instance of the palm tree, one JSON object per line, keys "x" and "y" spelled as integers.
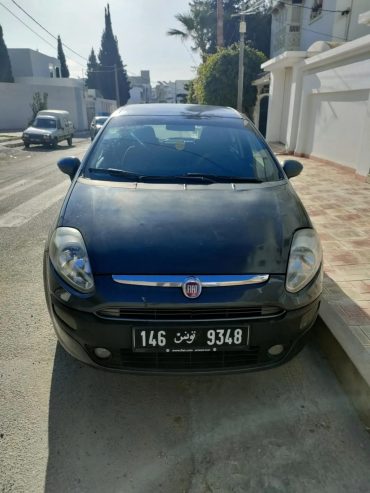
{"x": 198, "y": 26}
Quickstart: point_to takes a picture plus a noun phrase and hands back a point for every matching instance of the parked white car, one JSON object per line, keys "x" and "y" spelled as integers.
{"x": 49, "y": 128}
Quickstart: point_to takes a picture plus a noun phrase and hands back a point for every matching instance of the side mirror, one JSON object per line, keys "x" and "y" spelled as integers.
{"x": 292, "y": 168}
{"x": 69, "y": 165}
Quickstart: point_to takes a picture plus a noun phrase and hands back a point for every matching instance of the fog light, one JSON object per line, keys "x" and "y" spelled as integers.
{"x": 102, "y": 353}
{"x": 276, "y": 350}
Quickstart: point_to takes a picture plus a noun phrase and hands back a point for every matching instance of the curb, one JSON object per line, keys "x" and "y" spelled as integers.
{"x": 349, "y": 359}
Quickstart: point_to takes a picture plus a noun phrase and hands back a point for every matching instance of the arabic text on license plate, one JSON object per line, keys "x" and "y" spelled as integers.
{"x": 189, "y": 340}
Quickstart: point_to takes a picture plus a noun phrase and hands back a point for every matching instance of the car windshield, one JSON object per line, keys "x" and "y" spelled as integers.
{"x": 181, "y": 149}
{"x": 101, "y": 120}
{"x": 44, "y": 123}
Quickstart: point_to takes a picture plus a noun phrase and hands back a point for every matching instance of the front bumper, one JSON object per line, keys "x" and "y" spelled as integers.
{"x": 80, "y": 330}
{"x": 37, "y": 139}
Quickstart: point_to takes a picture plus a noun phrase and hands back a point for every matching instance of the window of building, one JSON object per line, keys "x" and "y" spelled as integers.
{"x": 316, "y": 9}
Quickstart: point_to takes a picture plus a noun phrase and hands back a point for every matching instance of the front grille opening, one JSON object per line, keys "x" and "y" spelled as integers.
{"x": 190, "y": 313}
{"x": 127, "y": 359}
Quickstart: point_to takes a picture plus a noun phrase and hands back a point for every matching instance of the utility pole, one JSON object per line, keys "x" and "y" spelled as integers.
{"x": 116, "y": 83}
{"x": 220, "y": 23}
{"x": 242, "y": 31}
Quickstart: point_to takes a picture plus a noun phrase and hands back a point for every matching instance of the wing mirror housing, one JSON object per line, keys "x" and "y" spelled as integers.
{"x": 69, "y": 166}
{"x": 292, "y": 168}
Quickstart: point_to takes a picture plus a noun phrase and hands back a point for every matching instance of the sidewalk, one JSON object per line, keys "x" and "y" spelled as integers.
{"x": 339, "y": 207}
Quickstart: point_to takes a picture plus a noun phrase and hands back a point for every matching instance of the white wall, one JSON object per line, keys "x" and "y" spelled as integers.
{"x": 327, "y": 103}
{"x": 285, "y": 104}
{"x": 328, "y": 137}
{"x": 15, "y": 101}
{"x": 335, "y": 109}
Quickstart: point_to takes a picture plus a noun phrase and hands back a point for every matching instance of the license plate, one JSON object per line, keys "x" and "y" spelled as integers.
{"x": 190, "y": 340}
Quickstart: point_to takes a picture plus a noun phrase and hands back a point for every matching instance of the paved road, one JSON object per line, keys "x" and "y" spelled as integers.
{"x": 68, "y": 428}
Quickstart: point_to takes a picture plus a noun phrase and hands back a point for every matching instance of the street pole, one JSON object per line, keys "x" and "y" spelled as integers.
{"x": 242, "y": 31}
{"x": 220, "y": 23}
{"x": 116, "y": 83}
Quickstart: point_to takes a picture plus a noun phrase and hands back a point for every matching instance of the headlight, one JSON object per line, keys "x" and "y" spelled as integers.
{"x": 69, "y": 257}
{"x": 47, "y": 136}
{"x": 304, "y": 260}
{"x": 25, "y": 135}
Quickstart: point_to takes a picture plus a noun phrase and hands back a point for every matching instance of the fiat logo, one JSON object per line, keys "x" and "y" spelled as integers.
{"x": 192, "y": 287}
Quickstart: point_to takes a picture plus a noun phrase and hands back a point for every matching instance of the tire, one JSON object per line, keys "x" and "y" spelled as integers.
{"x": 54, "y": 144}
{"x": 26, "y": 145}
{"x": 69, "y": 141}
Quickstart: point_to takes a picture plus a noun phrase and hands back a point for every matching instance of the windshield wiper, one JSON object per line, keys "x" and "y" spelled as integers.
{"x": 222, "y": 178}
{"x": 116, "y": 172}
{"x": 200, "y": 177}
{"x": 137, "y": 177}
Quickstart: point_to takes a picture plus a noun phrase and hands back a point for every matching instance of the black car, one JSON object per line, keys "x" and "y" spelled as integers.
{"x": 181, "y": 246}
{"x": 96, "y": 124}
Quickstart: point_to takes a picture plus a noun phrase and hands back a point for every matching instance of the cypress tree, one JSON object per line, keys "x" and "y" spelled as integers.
{"x": 63, "y": 64}
{"x": 5, "y": 66}
{"x": 92, "y": 81}
{"x": 109, "y": 57}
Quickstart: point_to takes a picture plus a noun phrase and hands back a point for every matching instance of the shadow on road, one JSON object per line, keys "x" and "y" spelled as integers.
{"x": 108, "y": 432}
{"x": 41, "y": 148}
{"x": 273, "y": 431}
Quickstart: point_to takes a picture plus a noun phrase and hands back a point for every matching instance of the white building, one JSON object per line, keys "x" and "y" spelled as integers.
{"x": 141, "y": 90}
{"x": 171, "y": 92}
{"x": 297, "y": 24}
{"x": 35, "y": 72}
{"x": 319, "y": 98}
{"x": 30, "y": 63}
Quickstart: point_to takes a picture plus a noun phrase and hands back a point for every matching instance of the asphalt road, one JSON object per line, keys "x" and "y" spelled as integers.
{"x": 65, "y": 427}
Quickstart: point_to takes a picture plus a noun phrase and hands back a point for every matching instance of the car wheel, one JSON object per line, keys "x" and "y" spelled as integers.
{"x": 26, "y": 145}
{"x": 69, "y": 140}
{"x": 54, "y": 143}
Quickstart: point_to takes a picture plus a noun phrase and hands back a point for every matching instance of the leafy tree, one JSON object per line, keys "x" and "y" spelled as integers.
{"x": 63, "y": 64}
{"x": 92, "y": 81}
{"x": 5, "y": 66}
{"x": 217, "y": 80}
{"x": 190, "y": 98}
{"x": 199, "y": 25}
{"x": 39, "y": 103}
{"x": 109, "y": 58}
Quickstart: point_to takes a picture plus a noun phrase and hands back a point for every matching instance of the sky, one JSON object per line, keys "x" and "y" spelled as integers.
{"x": 140, "y": 26}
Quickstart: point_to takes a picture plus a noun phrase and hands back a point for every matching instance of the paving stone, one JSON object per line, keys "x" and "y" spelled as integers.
{"x": 340, "y": 211}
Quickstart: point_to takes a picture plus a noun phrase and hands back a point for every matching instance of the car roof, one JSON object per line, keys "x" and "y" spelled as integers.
{"x": 169, "y": 109}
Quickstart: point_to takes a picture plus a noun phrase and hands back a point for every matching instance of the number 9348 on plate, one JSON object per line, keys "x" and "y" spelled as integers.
{"x": 190, "y": 339}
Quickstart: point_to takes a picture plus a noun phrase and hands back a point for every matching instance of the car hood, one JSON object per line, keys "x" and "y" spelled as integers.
{"x": 38, "y": 131}
{"x": 133, "y": 228}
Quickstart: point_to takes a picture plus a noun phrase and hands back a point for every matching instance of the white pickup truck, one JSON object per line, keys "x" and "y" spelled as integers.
{"x": 49, "y": 128}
